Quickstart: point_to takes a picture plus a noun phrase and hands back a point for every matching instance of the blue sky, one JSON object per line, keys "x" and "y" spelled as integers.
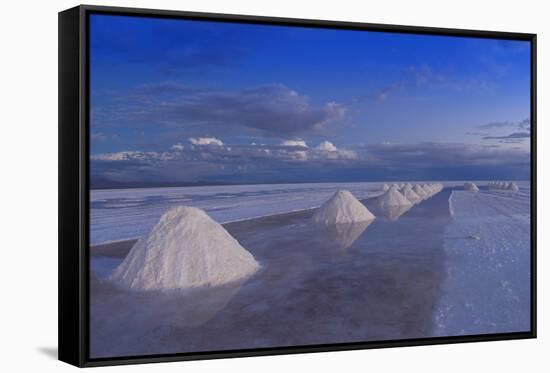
{"x": 196, "y": 101}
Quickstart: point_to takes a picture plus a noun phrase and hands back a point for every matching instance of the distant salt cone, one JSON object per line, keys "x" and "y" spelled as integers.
{"x": 420, "y": 191}
{"x": 436, "y": 187}
{"x": 185, "y": 249}
{"x": 385, "y": 187}
{"x": 392, "y": 198}
{"x": 513, "y": 187}
{"x": 471, "y": 187}
{"x": 409, "y": 194}
{"x": 428, "y": 189}
{"x": 342, "y": 207}
{"x": 394, "y": 187}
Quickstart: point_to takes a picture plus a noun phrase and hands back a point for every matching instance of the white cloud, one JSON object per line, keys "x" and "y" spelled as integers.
{"x": 177, "y": 147}
{"x": 126, "y": 156}
{"x": 299, "y": 155}
{"x": 298, "y": 142}
{"x": 205, "y": 141}
{"x": 342, "y": 154}
{"x": 326, "y": 146}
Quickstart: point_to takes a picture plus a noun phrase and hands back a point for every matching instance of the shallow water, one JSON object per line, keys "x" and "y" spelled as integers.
{"x": 318, "y": 285}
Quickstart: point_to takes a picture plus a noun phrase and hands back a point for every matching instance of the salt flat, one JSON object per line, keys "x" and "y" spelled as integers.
{"x": 130, "y": 213}
{"x": 487, "y": 249}
{"x": 454, "y": 264}
{"x": 364, "y": 281}
{"x": 120, "y": 214}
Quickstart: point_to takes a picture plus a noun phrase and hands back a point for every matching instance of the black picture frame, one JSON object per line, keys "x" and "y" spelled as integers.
{"x": 74, "y": 184}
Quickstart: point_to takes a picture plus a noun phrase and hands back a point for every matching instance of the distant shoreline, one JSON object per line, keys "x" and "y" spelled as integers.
{"x": 207, "y": 184}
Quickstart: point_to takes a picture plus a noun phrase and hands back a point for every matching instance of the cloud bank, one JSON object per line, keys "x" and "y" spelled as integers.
{"x": 205, "y": 141}
{"x": 512, "y": 136}
{"x": 522, "y": 131}
{"x": 270, "y": 110}
{"x": 210, "y": 160}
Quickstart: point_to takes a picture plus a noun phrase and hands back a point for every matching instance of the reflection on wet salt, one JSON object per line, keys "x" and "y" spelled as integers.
{"x": 392, "y": 213}
{"x": 140, "y": 319}
{"x": 177, "y": 308}
{"x": 345, "y": 234}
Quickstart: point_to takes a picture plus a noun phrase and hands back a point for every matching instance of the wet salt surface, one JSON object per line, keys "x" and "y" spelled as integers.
{"x": 318, "y": 285}
{"x": 487, "y": 285}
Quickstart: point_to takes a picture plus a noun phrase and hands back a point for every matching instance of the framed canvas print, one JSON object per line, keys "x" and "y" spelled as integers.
{"x": 236, "y": 186}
